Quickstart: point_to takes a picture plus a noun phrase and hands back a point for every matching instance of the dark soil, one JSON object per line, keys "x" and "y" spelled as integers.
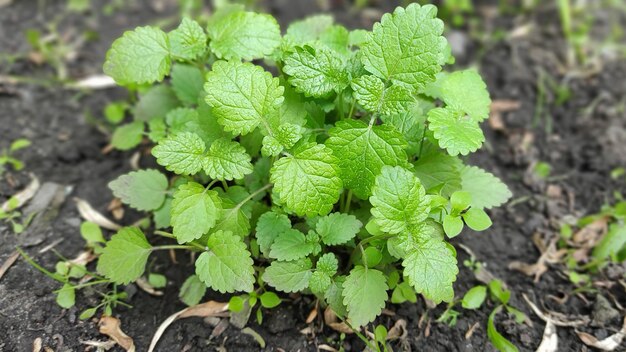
{"x": 587, "y": 140}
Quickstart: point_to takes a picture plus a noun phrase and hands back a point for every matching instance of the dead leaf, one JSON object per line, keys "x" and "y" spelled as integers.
{"x": 111, "y": 327}
{"x": 331, "y": 319}
{"x": 588, "y": 236}
{"x": 100, "y": 345}
{"x": 84, "y": 258}
{"x": 498, "y": 107}
{"x": 313, "y": 313}
{"x": 398, "y": 330}
{"x": 23, "y": 196}
{"x": 145, "y": 286}
{"x": 7, "y": 263}
{"x": 37, "y": 344}
{"x": 470, "y": 331}
{"x": 557, "y": 319}
{"x": 324, "y": 347}
{"x": 116, "y": 208}
{"x": 549, "y": 255}
{"x": 90, "y": 214}
{"x": 550, "y": 340}
{"x": 210, "y": 308}
{"x": 608, "y": 344}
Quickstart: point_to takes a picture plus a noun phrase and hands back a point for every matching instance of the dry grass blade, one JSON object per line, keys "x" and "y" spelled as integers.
{"x": 7, "y": 263}
{"x": 207, "y": 309}
{"x": 550, "y": 340}
{"x": 110, "y": 326}
{"x": 23, "y": 196}
{"x": 552, "y": 317}
{"x": 610, "y": 343}
{"x": 94, "y": 82}
{"x": 90, "y": 214}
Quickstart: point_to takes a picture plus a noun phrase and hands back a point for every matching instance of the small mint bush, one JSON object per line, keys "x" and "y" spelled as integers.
{"x": 323, "y": 161}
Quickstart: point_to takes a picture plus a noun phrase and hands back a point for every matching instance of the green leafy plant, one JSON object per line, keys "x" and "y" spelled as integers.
{"x": 340, "y": 176}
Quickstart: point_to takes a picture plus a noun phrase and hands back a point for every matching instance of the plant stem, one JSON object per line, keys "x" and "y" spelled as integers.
{"x": 352, "y": 108}
{"x": 174, "y": 246}
{"x": 422, "y": 141}
{"x": 348, "y": 201}
{"x": 256, "y": 193}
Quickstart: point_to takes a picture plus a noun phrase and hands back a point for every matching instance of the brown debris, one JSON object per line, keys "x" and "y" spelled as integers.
{"x": 610, "y": 343}
{"x": 90, "y": 214}
{"x": 498, "y": 107}
{"x": 549, "y": 255}
{"x": 8, "y": 263}
{"x": 111, "y": 327}
{"x": 331, "y": 319}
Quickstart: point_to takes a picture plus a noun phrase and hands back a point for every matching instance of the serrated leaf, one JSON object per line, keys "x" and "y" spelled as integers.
{"x": 290, "y": 276}
{"x": 227, "y": 267}
{"x": 364, "y": 294}
{"x": 243, "y": 35}
{"x": 155, "y": 103}
{"x": 319, "y": 282}
{"x": 406, "y": 47}
{"x": 307, "y": 31}
{"x": 338, "y": 228}
{"x": 363, "y": 150}
{"x": 188, "y": 41}
{"x": 431, "y": 268}
{"x": 227, "y": 160}
{"x": 139, "y": 56}
{"x": 128, "y": 136}
{"x": 232, "y": 218}
{"x": 411, "y": 125}
{"x": 439, "y": 170}
{"x": 327, "y": 263}
{"x": 316, "y": 72}
{"x": 195, "y": 211}
{"x": 142, "y": 190}
{"x": 243, "y": 96}
{"x": 372, "y": 94}
{"x": 399, "y": 202}
{"x": 124, "y": 257}
{"x": 268, "y": 227}
{"x": 192, "y": 291}
{"x": 336, "y": 38}
{"x": 487, "y": 190}
{"x": 183, "y": 153}
{"x": 291, "y": 244}
{"x": 467, "y": 92}
{"x": 307, "y": 181}
{"x": 455, "y": 132}
{"x": 187, "y": 83}
{"x": 334, "y": 296}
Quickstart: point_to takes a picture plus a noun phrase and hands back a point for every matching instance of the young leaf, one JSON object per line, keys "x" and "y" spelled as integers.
{"x": 128, "y": 136}
{"x": 452, "y": 225}
{"x": 139, "y": 56}
{"x": 411, "y": 125}
{"x": 183, "y": 153}
{"x": 188, "y": 41}
{"x": 475, "y": 297}
{"x": 439, "y": 170}
{"x": 406, "y": 47}
{"x": 338, "y": 228}
{"x": 290, "y": 276}
{"x": 399, "y": 200}
{"x": 364, "y": 294}
{"x": 187, "y": 83}
{"x": 227, "y": 267}
{"x": 307, "y": 31}
{"x": 467, "y": 92}
{"x": 124, "y": 258}
{"x": 431, "y": 268}
{"x": 232, "y": 218}
{"x": 476, "y": 180}
{"x": 319, "y": 282}
{"x": 290, "y": 245}
{"x": 269, "y": 300}
{"x": 498, "y": 341}
{"x": 476, "y": 219}
{"x": 372, "y": 94}
{"x": 227, "y": 160}
{"x": 455, "y": 132}
{"x": 243, "y": 35}
{"x": 316, "y": 72}
{"x": 192, "y": 291}
{"x": 328, "y": 264}
{"x": 66, "y": 297}
{"x": 155, "y": 103}
{"x": 243, "y": 96}
{"x": 195, "y": 211}
{"x": 142, "y": 190}
{"x": 268, "y": 227}
{"x": 363, "y": 150}
{"x": 307, "y": 181}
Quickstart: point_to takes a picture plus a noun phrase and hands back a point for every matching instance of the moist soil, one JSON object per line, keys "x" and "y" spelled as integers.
{"x": 582, "y": 138}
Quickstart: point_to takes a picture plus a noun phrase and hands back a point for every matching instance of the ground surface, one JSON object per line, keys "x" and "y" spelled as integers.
{"x": 587, "y": 141}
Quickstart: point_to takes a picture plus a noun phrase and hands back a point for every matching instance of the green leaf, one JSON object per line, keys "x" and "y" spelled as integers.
{"x": 66, "y": 296}
{"x": 269, "y": 300}
{"x": 476, "y": 219}
{"x": 87, "y": 313}
{"x": 243, "y": 96}
{"x": 187, "y": 83}
{"x": 182, "y": 153}
{"x": 162, "y": 216}
{"x": 475, "y": 297}
{"x": 406, "y": 47}
{"x": 498, "y": 292}
{"x": 227, "y": 267}
{"x": 363, "y": 150}
{"x": 157, "y": 280}
{"x": 200, "y": 121}
{"x": 431, "y": 268}
{"x": 338, "y": 228}
{"x": 128, "y": 136}
{"x": 155, "y": 103}
{"x": 227, "y": 160}
{"x": 437, "y": 170}
{"x": 328, "y": 264}
{"x": 307, "y": 31}
{"x": 336, "y": 38}
{"x": 192, "y": 291}
{"x": 460, "y": 201}
{"x": 139, "y": 56}
{"x": 411, "y": 125}
{"x": 158, "y": 130}
{"x": 290, "y": 276}
{"x": 611, "y": 243}
{"x": 467, "y": 92}
{"x": 124, "y": 258}
{"x": 498, "y": 341}
{"x": 334, "y": 297}
{"x": 476, "y": 180}
{"x": 372, "y": 94}
{"x": 316, "y": 72}
{"x": 243, "y": 35}
{"x": 452, "y": 225}
{"x": 399, "y": 202}
{"x": 195, "y": 211}
{"x": 268, "y": 227}
{"x": 142, "y": 190}
{"x": 319, "y": 282}
{"x": 188, "y": 41}
{"x": 455, "y": 132}
{"x": 232, "y": 218}
{"x": 91, "y": 232}
{"x": 364, "y": 294}
{"x": 307, "y": 181}
{"x": 290, "y": 245}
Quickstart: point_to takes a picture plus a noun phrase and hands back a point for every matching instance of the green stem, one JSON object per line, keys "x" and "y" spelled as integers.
{"x": 176, "y": 246}
{"x": 422, "y": 141}
{"x": 164, "y": 234}
{"x": 256, "y": 193}
{"x": 352, "y": 108}
{"x": 341, "y": 112}
{"x": 225, "y": 185}
{"x": 348, "y": 201}
{"x": 92, "y": 283}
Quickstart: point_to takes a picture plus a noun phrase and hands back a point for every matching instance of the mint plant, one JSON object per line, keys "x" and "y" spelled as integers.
{"x": 323, "y": 161}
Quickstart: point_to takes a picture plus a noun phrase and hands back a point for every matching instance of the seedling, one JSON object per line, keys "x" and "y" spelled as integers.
{"x": 333, "y": 178}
